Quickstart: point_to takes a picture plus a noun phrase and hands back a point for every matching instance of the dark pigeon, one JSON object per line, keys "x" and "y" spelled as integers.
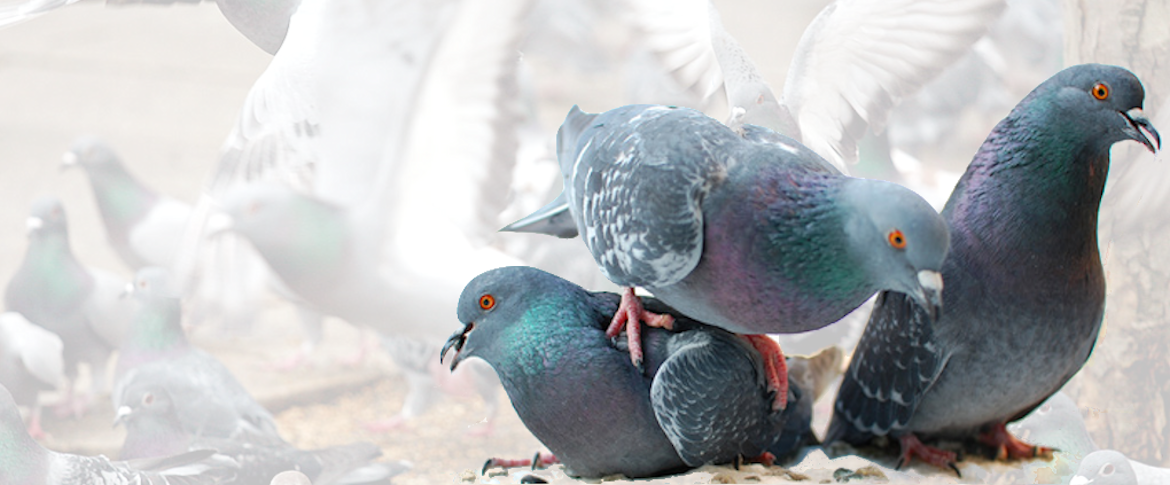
{"x": 154, "y": 428}
{"x": 144, "y": 228}
{"x": 26, "y": 462}
{"x": 51, "y": 288}
{"x": 703, "y": 398}
{"x": 209, "y": 400}
{"x": 746, "y": 230}
{"x": 1025, "y": 287}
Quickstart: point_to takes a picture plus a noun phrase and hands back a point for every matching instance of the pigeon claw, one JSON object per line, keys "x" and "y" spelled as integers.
{"x": 775, "y": 368}
{"x": 1008, "y": 447}
{"x": 539, "y": 460}
{"x": 911, "y": 447}
{"x": 629, "y": 316}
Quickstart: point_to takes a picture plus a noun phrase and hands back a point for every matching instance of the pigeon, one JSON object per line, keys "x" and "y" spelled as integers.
{"x": 143, "y": 227}
{"x": 1109, "y": 467}
{"x": 209, "y": 400}
{"x": 291, "y": 477}
{"x": 154, "y": 428}
{"x": 703, "y": 398}
{"x": 30, "y": 362}
{"x": 748, "y": 231}
{"x": 1025, "y": 287}
{"x": 24, "y": 461}
{"x": 52, "y": 289}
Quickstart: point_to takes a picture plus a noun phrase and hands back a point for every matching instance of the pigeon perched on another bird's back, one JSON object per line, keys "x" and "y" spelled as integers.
{"x": 26, "y": 462}
{"x": 154, "y": 428}
{"x": 703, "y": 398}
{"x": 144, "y": 227}
{"x": 79, "y": 304}
{"x": 745, "y": 230}
{"x": 209, "y": 400}
{"x": 1025, "y": 287}
{"x": 30, "y": 362}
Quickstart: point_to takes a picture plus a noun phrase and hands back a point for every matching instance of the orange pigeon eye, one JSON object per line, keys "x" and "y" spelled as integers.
{"x": 487, "y": 302}
{"x": 1100, "y": 91}
{"x": 896, "y": 239}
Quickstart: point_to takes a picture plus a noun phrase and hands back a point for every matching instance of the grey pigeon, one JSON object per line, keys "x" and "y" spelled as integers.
{"x": 703, "y": 398}
{"x": 51, "y": 288}
{"x": 144, "y": 227}
{"x": 25, "y": 462}
{"x": 1109, "y": 467}
{"x": 1025, "y": 287}
{"x": 745, "y": 230}
{"x": 291, "y": 477}
{"x": 209, "y": 400}
{"x": 30, "y": 362}
{"x": 154, "y": 428}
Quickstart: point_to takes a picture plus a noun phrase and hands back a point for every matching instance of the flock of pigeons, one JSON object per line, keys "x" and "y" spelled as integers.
{"x": 327, "y": 194}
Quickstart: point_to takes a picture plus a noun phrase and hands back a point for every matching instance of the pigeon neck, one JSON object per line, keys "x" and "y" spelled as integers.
{"x": 22, "y": 459}
{"x": 1035, "y": 182}
{"x": 122, "y": 199}
{"x": 156, "y": 327}
{"x": 152, "y": 435}
{"x": 535, "y": 346}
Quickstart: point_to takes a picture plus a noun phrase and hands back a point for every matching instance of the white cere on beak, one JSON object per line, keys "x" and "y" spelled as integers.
{"x": 930, "y": 280}
{"x": 218, "y": 223}
{"x": 34, "y": 223}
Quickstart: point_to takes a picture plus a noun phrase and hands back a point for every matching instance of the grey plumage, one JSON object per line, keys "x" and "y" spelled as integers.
{"x": 703, "y": 398}
{"x": 1025, "y": 288}
{"x": 30, "y": 362}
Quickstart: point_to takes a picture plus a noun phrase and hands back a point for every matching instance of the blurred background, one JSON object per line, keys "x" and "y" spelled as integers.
{"x": 164, "y": 84}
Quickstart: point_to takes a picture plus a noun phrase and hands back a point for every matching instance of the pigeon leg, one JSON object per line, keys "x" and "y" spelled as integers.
{"x": 628, "y": 316}
{"x": 540, "y": 460}
{"x": 775, "y": 368}
{"x": 912, "y": 447}
{"x": 34, "y": 425}
{"x": 1007, "y": 446}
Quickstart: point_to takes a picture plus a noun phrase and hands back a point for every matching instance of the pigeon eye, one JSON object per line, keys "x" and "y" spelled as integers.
{"x": 1107, "y": 469}
{"x": 487, "y": 302}
{"x": 147, "y": 399}
{"x": 1100, "y": 91}
{"x": 896, "y": 239}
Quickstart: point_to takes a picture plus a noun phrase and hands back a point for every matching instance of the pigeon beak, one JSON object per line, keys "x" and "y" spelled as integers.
{"x": 126, "y": 291}
{"x": 120, "y": 416}
{"x": 929, "y": 294}
{"x": 68, "y": 161}
{"x": 219, "y": 223}
{"x": 33, "y": 224}
{"x": 457, "y": 340}
{"x": 1079, "y": 480}
{"x": 1137, "y": 124}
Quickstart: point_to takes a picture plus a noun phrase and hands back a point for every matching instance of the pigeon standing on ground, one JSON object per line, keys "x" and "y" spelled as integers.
{"x": 154, "y": 428}
{"x": 703, "y": 398}
{"x": 30, "y": 362}
{"x": 1025, "y": 287}
{"x": 144, "y": 228}
{"x": 209, "y": 400}
{"x": 24, "y": 461}
{"x": 79, "y": 304}
{"x": 745, "y": 230}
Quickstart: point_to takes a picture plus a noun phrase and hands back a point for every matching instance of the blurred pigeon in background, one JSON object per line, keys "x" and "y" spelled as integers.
{"x": 718, "y": 223}
{"x": 209, "y": 401}
{"x": 30, "y": 362}
{"x": 143, "y": 227}
{"x": 1109, "y": 467}
{"x": 291, "y": 477}
{"x": 1025, "y": 287}
{"x": 703, "y": 398}
{"x": 155, "y": 428}
{"x": 26, "y": 461}
{"x": 79, "y": 304}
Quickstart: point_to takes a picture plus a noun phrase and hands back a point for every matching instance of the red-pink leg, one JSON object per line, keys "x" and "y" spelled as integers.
{"x": 1007, "y": 446}
{"x": 775, "y": 368}
{"x": 628, "y": 316}
{"x": 541, "y": 460}
{"x": 34, "y": 425}
{"x": 912, "y": 447}
{"x": 387, "y": 425}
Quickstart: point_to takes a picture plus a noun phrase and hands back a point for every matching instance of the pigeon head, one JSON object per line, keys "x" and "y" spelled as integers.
{"x": 152, "y": 282}
{"x": 141, "y": 400}
{"x": 491, "y": 305}
{"x": 1104, "y": 467}
{"x": 899, "y": 239}
{"x": 274, "y": 216}
{"x": 1101, "y": 103}
{"x": 46, "y": 218}
{"x": 92, "y": 154}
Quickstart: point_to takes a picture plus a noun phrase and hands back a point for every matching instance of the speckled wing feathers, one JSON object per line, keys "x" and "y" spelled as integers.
{"x": 872, "y": 400}
{"x": 640, "y": 210}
